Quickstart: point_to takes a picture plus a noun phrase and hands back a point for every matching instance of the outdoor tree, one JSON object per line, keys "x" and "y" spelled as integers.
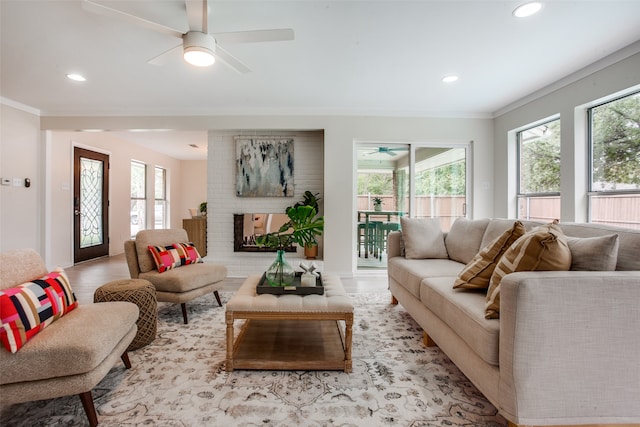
{"x": 616, "y": 144}
{"x": 540, "y": 159}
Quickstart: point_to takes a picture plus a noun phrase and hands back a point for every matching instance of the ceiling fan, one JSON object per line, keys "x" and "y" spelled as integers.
{"x": 199, "y": 47}
{"x": 386, "y": 150}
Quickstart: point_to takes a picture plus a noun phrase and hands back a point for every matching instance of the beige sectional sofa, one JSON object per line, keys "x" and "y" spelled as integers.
{"x": 566, "y": 348}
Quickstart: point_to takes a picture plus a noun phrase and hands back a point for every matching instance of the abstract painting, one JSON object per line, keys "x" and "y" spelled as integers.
{"x": 264, "y": 167}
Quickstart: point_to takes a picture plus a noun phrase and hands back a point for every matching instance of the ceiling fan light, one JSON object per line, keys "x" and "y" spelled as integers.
{"x": 199, "y": 57}
{"x": 527, "y": 9}
{"x": 198, "y": 48}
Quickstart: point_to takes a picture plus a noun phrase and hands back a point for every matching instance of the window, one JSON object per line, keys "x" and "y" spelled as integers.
{"x": 614, "y": 156}
{"x": 138, "y": 197}
{"x": 160, "y": 208}
{"x": 539, "y": 172}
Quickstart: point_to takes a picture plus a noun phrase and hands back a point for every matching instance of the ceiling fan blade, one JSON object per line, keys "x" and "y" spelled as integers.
{"x": 230, "y": 60}
{"x": 165, "y": 56}
{"x": 97, "y": 8}
{"x": 197, "y": 15}
{"x": 255, "y": 36}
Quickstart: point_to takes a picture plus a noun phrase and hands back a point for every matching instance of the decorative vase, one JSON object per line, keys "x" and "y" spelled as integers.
{"x": 377, "y": 207}
{"x": 280, "y": 273}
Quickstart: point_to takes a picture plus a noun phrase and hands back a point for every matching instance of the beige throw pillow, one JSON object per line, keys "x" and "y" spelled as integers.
{"x": 594, "y": 253}
{"x": 476, "y": 274}
{"x": 542, "y": 249}
{"x": 464, "y": 237}
{"x": 423, "y": 238}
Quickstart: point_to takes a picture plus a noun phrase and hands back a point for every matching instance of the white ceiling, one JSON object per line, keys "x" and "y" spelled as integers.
{"x": 349, "y": 57}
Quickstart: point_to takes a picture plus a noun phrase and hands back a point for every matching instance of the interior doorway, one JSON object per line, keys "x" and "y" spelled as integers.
{"x": 414, "y": 180}
{"x": 90, "y": 204}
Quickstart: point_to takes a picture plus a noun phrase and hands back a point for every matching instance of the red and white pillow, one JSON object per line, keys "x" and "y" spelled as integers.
{"x": 174, "y": 255}
{"x": 27, "y": 309}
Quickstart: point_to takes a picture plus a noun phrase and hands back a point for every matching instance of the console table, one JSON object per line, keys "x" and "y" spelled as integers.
{"x": 196, "y": 229}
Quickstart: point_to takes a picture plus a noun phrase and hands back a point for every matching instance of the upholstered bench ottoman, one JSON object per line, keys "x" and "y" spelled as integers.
{"x": 143, "y": 294}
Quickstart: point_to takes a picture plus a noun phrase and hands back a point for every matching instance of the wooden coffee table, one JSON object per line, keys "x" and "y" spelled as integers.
{"x": 290, "y": 332}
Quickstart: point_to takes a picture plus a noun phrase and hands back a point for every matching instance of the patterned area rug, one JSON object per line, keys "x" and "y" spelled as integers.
{"x": 179, "y": 380}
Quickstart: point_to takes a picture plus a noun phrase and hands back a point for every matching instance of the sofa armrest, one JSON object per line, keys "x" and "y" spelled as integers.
{"x": 394, "y": 244}
{"x": 132, "y": 258}
{"x": 569, "y": 346}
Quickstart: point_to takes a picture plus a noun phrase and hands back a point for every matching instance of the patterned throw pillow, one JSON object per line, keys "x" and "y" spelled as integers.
{"x": 542, "y": 249}
{"x": 476, "y": 274}
{"x": 29, "y": 308}
{"x": 174, "y": 255}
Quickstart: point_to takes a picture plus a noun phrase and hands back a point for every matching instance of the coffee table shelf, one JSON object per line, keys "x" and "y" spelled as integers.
{"x": 290, "y": 332}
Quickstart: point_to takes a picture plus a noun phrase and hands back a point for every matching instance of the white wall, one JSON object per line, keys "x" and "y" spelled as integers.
{"x": 20, "y": 157}
{"x": 193, "y": 185}
{"x": 569, "y": 102}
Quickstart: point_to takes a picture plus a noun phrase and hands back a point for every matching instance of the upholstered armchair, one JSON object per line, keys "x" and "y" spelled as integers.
{"x": 176, "y": 285}
{"x": 69, "y": 356}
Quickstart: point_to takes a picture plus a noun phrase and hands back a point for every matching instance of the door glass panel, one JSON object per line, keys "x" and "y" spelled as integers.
{"x": 440, "y": 184}
{"x": 91, "y": 176}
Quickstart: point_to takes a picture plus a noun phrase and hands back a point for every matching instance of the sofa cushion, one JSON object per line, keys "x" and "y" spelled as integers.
{"x": 464, "y": 237}
{"x": 75, "y": 344}
{"x": 463, "y": 311}
{"x": 30, "y": 307}
{"x": 498, "y": 226}
{"x": 477, "y": 273}
{"x": 410, "y": 272}
{"x": 423, "y": 238}
{"x": 594, "y": 253}
{"x": 542, "y": 249}
{"x": 186, "y": 278}
{"x": 628, "y": 241}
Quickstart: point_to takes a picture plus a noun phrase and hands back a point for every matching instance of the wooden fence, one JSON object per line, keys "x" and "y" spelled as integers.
{"x": 625, "y": 208}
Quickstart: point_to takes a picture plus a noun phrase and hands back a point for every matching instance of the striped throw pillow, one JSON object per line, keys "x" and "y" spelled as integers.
{"x": 542, "y": 249}
{"x": 29, "y": 308}
{"x": 174, "y": 255}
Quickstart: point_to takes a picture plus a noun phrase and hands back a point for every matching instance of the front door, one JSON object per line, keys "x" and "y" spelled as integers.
{"x": 90, "y": 204}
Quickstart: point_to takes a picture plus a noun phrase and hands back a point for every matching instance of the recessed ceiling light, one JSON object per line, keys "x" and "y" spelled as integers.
{"x": 450, "y": 79}
{"x": 527, "y": 9}
{"x": 76, "y": 77}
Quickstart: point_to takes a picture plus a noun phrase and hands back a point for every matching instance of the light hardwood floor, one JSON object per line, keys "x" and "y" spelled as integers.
{"x": 86, "y": 277}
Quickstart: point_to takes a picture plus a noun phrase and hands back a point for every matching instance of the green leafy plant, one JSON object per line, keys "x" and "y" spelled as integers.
{"x": 303, "y": 227}
{"x": 377, "y": 201}
{"x": 203, "y": 207}
{"x": 308, "y": 199}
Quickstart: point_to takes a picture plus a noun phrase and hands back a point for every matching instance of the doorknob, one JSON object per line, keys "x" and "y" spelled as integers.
{"x": 76, "y": 211}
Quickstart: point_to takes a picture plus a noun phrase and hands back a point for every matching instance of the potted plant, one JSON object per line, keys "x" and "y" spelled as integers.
{"x": 303, "y": 227}
{"x": 203, "y": 208}
{"x": 377, "y": 204}
{"x": 309, "y": 199}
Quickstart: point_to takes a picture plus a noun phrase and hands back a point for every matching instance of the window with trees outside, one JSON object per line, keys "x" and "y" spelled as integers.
{"x": 160, "y": 209}
{"x": 539, "y": 172}
{"x": 138, "y": 197}
{"x": 614, "y": 184}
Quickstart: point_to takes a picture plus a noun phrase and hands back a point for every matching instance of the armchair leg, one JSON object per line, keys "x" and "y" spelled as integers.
{"x": 184, "y": 313}
{"x": 217, "y": 298}
{"x": 89, "y": 409}
{"x": 125, "y": 360}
